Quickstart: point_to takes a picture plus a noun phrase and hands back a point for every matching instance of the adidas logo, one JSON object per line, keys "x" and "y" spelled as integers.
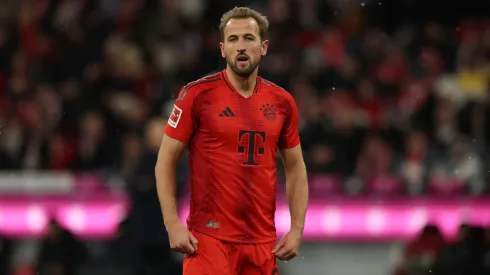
{"x": 227, "y": 112}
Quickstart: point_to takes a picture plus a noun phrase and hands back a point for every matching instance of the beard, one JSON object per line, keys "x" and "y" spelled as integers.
{"x": 242, "y": 71}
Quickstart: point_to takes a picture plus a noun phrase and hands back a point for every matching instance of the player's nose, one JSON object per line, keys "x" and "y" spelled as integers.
{"x": 241, "y": 46}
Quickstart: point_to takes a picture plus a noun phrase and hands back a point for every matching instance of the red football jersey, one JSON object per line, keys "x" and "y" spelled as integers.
{"x": 232, "y": 145}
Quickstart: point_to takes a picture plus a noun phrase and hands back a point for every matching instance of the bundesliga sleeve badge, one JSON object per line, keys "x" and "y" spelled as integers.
{"x": 174, "y": 118}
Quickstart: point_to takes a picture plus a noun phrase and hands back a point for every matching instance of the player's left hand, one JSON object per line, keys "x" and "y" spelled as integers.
{"x": 288, "y": 246}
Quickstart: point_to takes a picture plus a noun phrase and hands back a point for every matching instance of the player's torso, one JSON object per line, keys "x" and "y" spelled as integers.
{"x": 247, "y": 129}
{"x": 233, "y": 158}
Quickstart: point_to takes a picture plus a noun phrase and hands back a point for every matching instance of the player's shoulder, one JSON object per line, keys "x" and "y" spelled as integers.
{"x": 275, "y": 89}
{"x": 195, "y": 87}
{"x": 207, "y": 80}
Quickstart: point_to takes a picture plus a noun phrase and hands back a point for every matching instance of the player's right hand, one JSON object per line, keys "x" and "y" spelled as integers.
{"x": 181, "y": 239}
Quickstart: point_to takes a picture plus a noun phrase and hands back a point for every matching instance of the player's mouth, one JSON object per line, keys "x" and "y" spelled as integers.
{"x": 242, "y": 59}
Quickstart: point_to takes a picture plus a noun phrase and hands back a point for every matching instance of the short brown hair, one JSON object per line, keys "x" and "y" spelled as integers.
{"x": 243, "y": 13}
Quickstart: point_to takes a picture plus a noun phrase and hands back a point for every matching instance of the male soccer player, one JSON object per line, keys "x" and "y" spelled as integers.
{"x": 233, "y": 123}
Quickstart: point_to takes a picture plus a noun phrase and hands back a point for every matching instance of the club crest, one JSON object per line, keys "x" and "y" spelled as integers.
{"x": 269, "y": 111}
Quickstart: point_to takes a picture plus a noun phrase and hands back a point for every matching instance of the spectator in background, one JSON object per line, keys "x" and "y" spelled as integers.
{"x": 94, "y": 147}
{"x": 321, "y": 159}
{"x": 120, "y": 258}
{"x": 6, "y": 246}
{"x": 477, "y": 249}
{"x": 131, "y": 154}
{"x": 149, "y": 238}
{"x": 486, "y": 256}
{"x": 416, "y": 161}
{"x": 370, "y": 105}
{"x": 61, "y": 253}
{"x": 464, "y": 256}
{"x": 375, "y": 160}
{"x": 445, "y": 131}
{"x": 420, "y": 254}
{"x": 473, "y": 71}
{"x": 343, "y": 131}
{"x": 461, "y": 164}
{"x": 11, "y": 144}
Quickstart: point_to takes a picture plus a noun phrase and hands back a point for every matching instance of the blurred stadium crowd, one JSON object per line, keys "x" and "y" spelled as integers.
{"x": 79, "y": 80}
{"x": 86, "y": 85}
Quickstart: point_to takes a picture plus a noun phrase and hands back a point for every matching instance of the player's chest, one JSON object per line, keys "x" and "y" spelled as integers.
{"x": 243, "y": 118}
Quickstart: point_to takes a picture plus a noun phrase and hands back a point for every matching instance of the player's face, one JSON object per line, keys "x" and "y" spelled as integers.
{"x": 242, "y": 47}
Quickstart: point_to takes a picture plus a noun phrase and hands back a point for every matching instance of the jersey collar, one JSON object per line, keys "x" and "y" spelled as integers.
{"x": 232, "y": 88}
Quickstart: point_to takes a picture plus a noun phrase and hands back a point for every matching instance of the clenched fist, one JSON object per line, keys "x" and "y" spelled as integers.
{"x": 181, "y": 239}
{"x": 288, "y": 246}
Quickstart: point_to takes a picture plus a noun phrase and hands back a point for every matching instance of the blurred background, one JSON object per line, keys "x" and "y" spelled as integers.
{"x": 394, "y": 100}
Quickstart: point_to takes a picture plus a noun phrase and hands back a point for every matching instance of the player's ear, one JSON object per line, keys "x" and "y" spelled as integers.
{"x": 222, "y": 48}
{"x": 265, "y": 46}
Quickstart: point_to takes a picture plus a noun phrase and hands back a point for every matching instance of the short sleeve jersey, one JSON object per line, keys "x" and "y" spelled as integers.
{"x": 232, "y": 145}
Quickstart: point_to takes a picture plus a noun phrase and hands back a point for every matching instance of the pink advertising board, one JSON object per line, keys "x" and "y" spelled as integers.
{"x": 95, "y": 217}
{"x": 334, "y": 219}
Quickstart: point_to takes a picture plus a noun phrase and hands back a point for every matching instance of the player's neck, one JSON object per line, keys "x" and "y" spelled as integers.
{"x": 244, "y": 85}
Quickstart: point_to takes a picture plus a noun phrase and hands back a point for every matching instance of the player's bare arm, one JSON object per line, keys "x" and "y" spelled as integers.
{"x": 297, "y": 193}
{"x": 170, "y": 152}
{"x": 165, "y": 172}
{"x": 296, "y": 185}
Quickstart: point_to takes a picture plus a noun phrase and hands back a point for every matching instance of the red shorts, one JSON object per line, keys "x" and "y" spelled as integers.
{"x": 216, "y": 257}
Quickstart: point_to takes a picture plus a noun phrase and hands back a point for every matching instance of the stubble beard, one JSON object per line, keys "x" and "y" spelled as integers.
{"x": 242, "y": 72}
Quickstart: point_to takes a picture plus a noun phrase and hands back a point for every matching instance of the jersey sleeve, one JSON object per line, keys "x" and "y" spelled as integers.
{"x": 181, "y": 121}
{"x": 290, "y": 132}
